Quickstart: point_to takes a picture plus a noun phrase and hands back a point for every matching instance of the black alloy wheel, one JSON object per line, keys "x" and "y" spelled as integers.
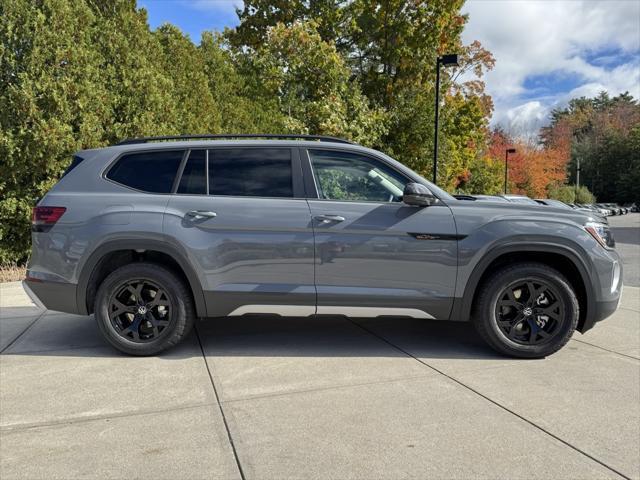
{"x": 530, "y": 312}
{"x": 140, "y": 310}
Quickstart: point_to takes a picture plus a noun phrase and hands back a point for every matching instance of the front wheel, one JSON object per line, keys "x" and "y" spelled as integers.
{"x": 527, "y": 310}
{"x": 143, "y": 309}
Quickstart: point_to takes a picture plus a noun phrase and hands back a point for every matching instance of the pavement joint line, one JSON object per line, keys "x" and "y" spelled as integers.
{"x": 327, "y": 388}
{"x": 605, "y": 349}
{"x": 224, "y": 418}
{"x": 23, "y": 332}
{"x": 497, "y": 404}
{"x": 61, "y": 349}
{"x": 18, "y": 427}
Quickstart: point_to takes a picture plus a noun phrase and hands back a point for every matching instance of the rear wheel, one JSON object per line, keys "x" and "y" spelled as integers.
{"x": 143, "y": 309}
{"x": 526, "y": 310}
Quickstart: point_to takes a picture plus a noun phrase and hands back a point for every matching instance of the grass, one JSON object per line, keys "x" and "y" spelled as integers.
{"x": 11, "y": 272}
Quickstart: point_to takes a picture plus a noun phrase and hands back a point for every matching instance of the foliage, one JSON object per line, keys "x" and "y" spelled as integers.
{"x": 583, "y": 195}
{"x": 390, "y": 49}
{"x": 604, "y": 134}
{"x": 312, "y": 85}
{"x": 570, "y": 194}
{"x": 564, "y": 193}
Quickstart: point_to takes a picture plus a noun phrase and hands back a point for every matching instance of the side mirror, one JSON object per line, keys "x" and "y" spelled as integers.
{"x": 418, "y": 195}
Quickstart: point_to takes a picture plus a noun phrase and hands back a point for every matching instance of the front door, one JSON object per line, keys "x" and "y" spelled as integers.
{"x": 375, "y": 255}
{"x": 241, "y": 216}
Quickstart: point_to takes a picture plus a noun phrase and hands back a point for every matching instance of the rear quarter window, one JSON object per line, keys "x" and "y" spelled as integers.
{"x": 75, "y": 161}
{"x": 152, "y": 172}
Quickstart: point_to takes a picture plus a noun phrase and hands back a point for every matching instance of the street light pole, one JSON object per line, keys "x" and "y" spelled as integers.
{"x": 446, "y": 60}
{"x": 507, "y": 151}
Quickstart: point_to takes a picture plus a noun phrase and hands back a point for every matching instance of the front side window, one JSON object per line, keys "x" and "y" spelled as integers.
{"x": 351, "y": 177}
{"x": 152, "y": 172}
{"x": 250, "y": 172}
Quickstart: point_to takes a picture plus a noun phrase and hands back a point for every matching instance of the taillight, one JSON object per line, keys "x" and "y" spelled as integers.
{"x": 43, "y": 218}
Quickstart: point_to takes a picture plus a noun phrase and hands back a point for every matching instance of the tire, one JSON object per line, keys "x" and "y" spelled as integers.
{"x": 536, "y": 324}
{"x": 167, "y": 317}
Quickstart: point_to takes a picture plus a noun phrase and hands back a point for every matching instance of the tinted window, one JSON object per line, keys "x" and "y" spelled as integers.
{"x": 250, "y": 172}
{"x": 75, "y": 161}
{"x": 194, "y": 179}
{"x": 348, "y": 176}
{"x": 147, "y": 171}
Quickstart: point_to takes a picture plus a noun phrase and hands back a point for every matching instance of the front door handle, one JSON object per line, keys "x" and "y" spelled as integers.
{"x": 201, "y": 214}
{"x": 329, "y": 218}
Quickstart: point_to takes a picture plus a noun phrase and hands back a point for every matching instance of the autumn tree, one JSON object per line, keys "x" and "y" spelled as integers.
{"x": 602, "y": 133}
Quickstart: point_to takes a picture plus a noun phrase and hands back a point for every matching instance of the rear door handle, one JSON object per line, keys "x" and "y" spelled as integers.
{"x": 329, "y": 218}
{"x": 201, "y": 214}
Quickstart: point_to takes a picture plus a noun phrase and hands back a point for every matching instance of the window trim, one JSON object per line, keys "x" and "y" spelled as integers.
{"x": 113, "y": 162}
{"x": 311, "y": 184}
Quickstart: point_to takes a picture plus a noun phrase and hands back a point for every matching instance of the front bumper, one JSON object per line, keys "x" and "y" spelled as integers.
{"x": 52, "y": 295}
{"x": 607, "y": 299}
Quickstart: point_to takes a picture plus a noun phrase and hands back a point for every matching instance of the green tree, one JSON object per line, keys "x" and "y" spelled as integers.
{"x": 196, "y": 109}
{"x": 244, "y": 107}
{"x": 313, "y": 86}
{"x": 53, "y": 100}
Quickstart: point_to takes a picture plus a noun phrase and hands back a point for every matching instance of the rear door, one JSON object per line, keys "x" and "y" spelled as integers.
{"x": 374, "y": 254}
{"x": 241, "y": 214}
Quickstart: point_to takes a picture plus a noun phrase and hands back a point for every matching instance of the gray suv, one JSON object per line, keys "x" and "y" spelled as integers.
{"x": 151, "y": 233}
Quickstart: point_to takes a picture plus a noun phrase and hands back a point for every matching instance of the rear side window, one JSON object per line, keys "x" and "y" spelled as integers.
{"x": 194, "y": 176}
{"x": 152, "y": 172}
{"x": 251, "y": 172}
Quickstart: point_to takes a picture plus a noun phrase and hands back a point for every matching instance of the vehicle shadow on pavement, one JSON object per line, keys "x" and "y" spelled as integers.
{"x": 330, "y": 336}
{"x": 58, "y": 334}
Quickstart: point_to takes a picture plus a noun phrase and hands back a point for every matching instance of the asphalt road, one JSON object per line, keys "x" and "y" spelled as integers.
{"x": 315, "y": 398}
{"x": 626, "y": 232}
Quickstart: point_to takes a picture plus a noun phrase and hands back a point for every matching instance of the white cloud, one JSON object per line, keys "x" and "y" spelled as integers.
{"x": 540, "y": 37}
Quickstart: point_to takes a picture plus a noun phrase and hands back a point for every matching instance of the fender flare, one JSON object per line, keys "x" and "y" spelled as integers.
{"x": 463, "y": 305}
{"x": 138, "y": 244}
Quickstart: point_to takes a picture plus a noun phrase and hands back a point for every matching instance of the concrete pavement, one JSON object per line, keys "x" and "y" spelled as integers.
{"x": 316, "y": 398}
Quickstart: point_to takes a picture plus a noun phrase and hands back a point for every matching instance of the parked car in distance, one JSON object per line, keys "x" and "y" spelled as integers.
{"x": 631, "y": 207}
{"x": 169, "y": 229}
{"x": 572, "y": 206}
{"x": 522, "y": 199}
{"x": 615, "y": 207}
{"x": 491, "y": 198}
{"x": 605, "y": 206}
{"x": 603, "y": 211}
{"x": 554, "y": 203}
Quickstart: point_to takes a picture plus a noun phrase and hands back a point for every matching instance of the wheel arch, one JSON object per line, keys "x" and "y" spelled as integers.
{"x": 123, "y": 251}
{"x": 561, "y": 258}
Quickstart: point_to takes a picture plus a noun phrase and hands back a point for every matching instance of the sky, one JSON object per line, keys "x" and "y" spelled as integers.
{"x": 547, "y": 51}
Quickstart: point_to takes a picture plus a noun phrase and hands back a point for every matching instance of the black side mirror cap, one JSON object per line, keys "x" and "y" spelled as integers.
{"x": 418, "y": 195}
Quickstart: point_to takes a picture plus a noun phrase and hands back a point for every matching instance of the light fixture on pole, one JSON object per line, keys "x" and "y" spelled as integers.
{"x": 450, "y": 60}
{"x": 506, "y": 163}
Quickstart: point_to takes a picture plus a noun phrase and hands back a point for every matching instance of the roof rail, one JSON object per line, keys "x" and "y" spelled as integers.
{"x": 321, "y": 138}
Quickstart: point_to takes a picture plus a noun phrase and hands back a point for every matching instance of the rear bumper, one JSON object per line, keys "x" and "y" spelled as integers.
{"x": 52, "y": 295}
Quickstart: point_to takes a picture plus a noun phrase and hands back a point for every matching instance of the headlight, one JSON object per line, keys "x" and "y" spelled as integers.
{"x": 602, "y": 234}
